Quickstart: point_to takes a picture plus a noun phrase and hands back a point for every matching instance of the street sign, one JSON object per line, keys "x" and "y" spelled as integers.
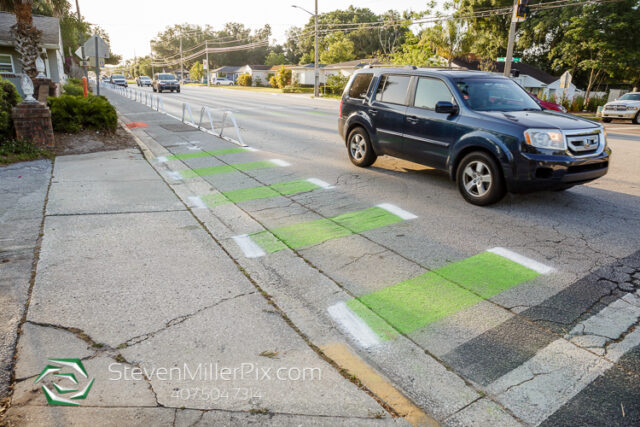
{"x": 504, "y": 59}
{"x": 92, "y": 62}
{"x": 90, "y": 47}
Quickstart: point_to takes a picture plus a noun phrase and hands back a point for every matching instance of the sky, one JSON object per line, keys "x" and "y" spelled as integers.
{"x": 131, "y": 24}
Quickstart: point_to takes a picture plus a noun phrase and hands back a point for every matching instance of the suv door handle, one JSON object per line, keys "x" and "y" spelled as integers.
{"x": 412, "y": 119}
{"x": 373, "y": 111}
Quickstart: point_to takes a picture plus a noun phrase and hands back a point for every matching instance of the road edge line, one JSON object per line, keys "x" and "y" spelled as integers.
{"x": 522, "y": 260}
{"x": 346, "y": 359}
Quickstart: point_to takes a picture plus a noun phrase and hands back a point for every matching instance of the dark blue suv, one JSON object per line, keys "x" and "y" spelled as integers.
{"x": 484, "y": 129}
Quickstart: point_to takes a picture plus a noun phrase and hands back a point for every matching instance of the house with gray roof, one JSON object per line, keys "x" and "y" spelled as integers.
{"x": 51, "y": 43}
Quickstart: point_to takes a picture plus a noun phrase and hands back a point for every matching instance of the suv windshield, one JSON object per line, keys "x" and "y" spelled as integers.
{"x": 117, "y": 76}
{"x": 144, "y": 78}
{"x": 630, "y": 97}
{"x": 166, "y": 77}
{"x": 495, "y": 95}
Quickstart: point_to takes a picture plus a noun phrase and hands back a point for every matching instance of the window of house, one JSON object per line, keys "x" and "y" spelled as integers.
{"x": 6, "y": 64}
{"x": 393, "y": 89}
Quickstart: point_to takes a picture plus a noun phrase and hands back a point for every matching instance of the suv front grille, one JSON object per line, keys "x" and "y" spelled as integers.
{"x": 582, "y": 145}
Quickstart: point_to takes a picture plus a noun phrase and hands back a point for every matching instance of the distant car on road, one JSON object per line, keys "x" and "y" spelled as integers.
{"x": 626, "y": 107}
{"x": 118, "y": 80}
{"x": 105, "y": 79}
{"x": 143, "y": 81}
{"x": 484, "y": 130}
{"x": 165, "y": 81}
{"x": 223, "y": 82}
{"x": 548, "y": 105}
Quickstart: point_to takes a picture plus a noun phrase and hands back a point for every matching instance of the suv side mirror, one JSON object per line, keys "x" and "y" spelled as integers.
{"x": 446, "y": 107}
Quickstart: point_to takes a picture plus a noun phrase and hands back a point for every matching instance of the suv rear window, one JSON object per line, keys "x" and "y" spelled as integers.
{"x": 393, "y": 89}
{"x": 360, "y": 86}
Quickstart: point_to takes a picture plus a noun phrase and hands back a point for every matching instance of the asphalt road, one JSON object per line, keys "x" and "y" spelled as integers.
{"x": 541, "y": 347}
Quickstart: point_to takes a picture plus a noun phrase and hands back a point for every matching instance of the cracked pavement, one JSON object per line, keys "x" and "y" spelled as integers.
{"x": 132, "y": 273}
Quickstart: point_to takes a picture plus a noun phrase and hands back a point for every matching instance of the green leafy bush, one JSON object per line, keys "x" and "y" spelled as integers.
{"x": 17, "y": 150}
{"x": 577, "y": 104}
{"x": 74, "y": 113}
{"x": 595, "y": 102}
{"x": 9, "y": 98}
{"x": 244, "y": 79}
{"x": 336, "y": 83}
{"x": 74, "y": 87}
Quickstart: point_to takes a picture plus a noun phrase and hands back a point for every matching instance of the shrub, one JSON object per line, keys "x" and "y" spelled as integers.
{"x": 283, "y": 77}
{"x": 17, "y": 150}
{"x": 74, "y": 87}
{"x": 73, "y": 113}
{"x": 595, "y": 102}
{"x": 336, "y": 83}
{"x": 244, "y": 79}
{"x": 273, "y": 82}
{"x": 258, "y": 82}
{"x": 577, "y": 104}
{"x": 9, "y": 98}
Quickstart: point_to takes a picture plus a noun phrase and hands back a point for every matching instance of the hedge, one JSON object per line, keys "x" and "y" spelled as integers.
{"x": 74, "y": 113}
{"x": 9, "y": 98}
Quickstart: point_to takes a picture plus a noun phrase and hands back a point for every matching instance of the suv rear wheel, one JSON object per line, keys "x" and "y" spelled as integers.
{"x": 360, "y": 149}
{"x": 479, "y": 179}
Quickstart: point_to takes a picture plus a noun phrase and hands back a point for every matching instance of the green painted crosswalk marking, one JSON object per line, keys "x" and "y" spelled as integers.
{"x": 417, "y": 302}
{"x": 199, "y": 154}
{"x": 214, "y": 170}
{"x": 255, "y": 193}
{"x": 313, "y": 232}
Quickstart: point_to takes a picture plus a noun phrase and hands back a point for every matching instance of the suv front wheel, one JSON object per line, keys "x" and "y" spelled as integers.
{"x": 360, "y": 149}
{"x": 479, "y": 179}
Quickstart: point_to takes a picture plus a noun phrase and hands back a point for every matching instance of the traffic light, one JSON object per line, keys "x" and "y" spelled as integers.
{"x": 523, "y": 10}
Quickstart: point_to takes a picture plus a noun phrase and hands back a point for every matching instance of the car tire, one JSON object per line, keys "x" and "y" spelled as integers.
{"x": 359, "y": 148}
{"x": 178, "y": 90}
{"x": 153, "y": 88}
{"x": 159, "y": 90}
{"x": 606, "y": 119}
{"x": 480, "y": 180}
{"x": 636, "y": 120}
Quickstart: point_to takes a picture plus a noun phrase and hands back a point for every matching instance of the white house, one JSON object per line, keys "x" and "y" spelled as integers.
{"x": 51, "y": 43}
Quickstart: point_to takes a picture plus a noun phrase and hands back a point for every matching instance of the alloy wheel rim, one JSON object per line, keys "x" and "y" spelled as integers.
{"x": 358, "y": 147}
{"x": 477, "y": 178}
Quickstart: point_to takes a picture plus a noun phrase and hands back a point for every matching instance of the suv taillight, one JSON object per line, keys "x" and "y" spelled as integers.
{"x": 340, "y": 113}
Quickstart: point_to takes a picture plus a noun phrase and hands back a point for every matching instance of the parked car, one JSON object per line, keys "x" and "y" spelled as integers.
{"x": 223, "y": 82}
{"x": 143, "y": 81}
{"x": 485, "y": 130}
{"x": 165, "y": 81}
{"x": 118, "y": 80}
{"x": 548, "y": 105}
{"x": 626, "y": 107}
{"x": 106, "y": 79}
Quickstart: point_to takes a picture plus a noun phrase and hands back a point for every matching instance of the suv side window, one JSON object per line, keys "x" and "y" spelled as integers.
{"x": 430, "y": 91}
{"x": 360, "y": 86}
{"x": 393, "y": 89}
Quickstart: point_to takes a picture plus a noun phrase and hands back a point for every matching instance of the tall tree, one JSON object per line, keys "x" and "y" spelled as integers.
{"x": 447, "y": 39}
{"x": 27, "y": 37}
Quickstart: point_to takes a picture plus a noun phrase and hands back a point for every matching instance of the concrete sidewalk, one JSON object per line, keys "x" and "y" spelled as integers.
{"x": 168, "y": 328}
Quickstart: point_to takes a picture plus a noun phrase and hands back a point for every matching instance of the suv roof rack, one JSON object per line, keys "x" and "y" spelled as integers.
{"x": 411, "y": 67}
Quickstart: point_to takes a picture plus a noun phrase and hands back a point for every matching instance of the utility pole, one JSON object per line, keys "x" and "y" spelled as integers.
{"x": 181, "y": 64}
{"x": 97, "y": 67}
{"x": 316, "y": 85}
{"x": 206, "y": 52}
{"x": 85, "y": 66}
{"x": 152, "y": 67}
{"x": 520, "y": 11}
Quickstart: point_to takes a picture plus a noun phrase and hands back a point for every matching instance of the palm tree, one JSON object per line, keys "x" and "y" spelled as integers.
{"x": 26, "y": 35}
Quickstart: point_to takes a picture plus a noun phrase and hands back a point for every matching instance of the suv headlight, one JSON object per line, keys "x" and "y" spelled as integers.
{"x": 545, "y": 138}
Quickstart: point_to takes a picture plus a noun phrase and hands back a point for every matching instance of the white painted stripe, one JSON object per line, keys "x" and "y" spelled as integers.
{"x": 280, "y": 162}
{"x": 196, "y": 202}
{"x": 522, "y": 260}
{"x": 320, "y": 183}
{"x": 193, "y": 148}
{"x": 353, "y": 325}
{"x": 174, "y": 175}
{"x": 546, "y": 382}
{"x": 248, "y": 246}
{"x": 161, "y": 159}
{"x": 397, "y": 211}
